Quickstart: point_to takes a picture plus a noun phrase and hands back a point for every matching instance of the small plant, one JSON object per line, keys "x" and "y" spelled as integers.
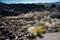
{"x": 34, "y": 31}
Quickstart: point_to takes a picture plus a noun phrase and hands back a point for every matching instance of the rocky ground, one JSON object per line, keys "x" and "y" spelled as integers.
{"x": 16, "y": 18}
{"x": 15, "y": 27}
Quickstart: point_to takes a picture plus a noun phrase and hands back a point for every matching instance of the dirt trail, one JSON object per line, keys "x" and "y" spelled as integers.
{"x": 50, "y": 36}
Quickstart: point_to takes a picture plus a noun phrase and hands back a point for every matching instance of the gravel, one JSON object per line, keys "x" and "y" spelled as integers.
{"x": 16, "y": 29}
{"x": 50, "y": 36}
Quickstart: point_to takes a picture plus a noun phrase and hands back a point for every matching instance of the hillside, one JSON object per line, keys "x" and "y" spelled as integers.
{"x": 15, "y": 19}
{"x": 16, "y": 9}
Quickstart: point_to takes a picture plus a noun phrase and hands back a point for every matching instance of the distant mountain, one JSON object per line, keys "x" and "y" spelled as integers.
{"x": 36, "y": 3}
{"x": 56, "y": 2}
{"x": 49, "y": 3}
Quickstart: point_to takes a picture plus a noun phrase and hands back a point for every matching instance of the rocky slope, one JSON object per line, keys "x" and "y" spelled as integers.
{"x": 16, "y": 18}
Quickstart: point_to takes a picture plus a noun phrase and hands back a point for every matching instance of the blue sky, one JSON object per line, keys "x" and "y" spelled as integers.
{"x": 28, "y": 1}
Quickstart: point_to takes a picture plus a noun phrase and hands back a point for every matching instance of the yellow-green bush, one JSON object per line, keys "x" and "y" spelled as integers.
{"x": 35, "y": 30}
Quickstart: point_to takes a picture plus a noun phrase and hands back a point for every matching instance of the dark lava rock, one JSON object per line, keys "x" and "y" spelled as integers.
{"x": 40, "y": 36}
{"x": 22, "y": 30}
{"x": 1, "y": 29}
{"x": 4, "y": 32}
{"x": 56, "y": 30}
{"x": 19, "y": 36}
{"x": 2, "y": 38}
{"x": 11, "y": 36}
{"x": 0, "y": 33}
{"x": 10, "y": 33}
{"x": 55, "y": 16}
{"x": 21, "y": 39}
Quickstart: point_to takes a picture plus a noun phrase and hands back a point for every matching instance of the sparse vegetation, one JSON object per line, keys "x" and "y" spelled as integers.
{"x": 15, "y": 19}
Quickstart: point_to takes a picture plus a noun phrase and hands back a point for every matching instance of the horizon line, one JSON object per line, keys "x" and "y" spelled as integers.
{"x": 27, "y": 2}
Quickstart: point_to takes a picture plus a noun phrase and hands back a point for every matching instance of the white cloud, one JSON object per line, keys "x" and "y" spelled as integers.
{"x": 29, "y": 1}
